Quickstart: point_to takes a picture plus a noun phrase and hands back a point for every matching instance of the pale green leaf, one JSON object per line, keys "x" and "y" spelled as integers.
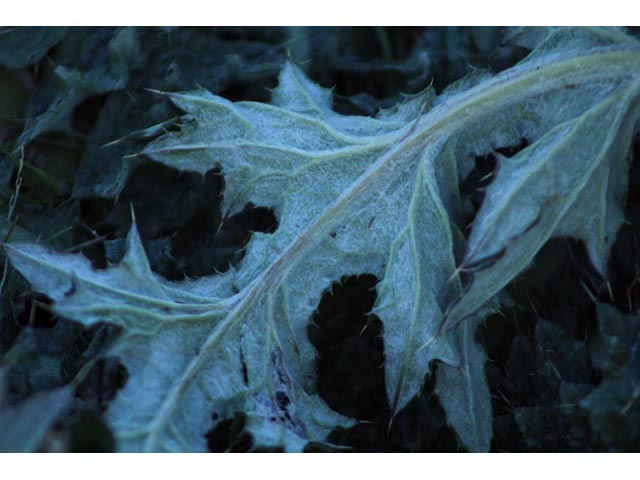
{"x": 23, "y": 427}
{"x": 358, "y": 195}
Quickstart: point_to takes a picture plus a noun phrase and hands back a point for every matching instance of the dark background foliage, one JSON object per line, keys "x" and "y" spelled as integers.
{"x": 77, "y": 104}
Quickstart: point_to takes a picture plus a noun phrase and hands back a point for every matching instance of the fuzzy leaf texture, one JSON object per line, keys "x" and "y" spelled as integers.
{"x": 359, "y": 195}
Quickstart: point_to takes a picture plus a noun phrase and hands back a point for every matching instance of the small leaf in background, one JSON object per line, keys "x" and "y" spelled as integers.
{"x": 613, "y": 405}
{"x": 23, "y": 427}
{"x": 23, "y": 46}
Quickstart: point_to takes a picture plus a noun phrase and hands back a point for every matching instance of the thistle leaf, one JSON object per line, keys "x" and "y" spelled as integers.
{"x": 358, "y": 195}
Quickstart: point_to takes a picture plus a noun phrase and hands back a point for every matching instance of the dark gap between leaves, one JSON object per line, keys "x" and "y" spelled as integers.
{"x": 559, "y": 288}
{"x": 35, "y": 313}
{"x": 103, "y": 382}
{"x": 624, "y": 263}
{"x": 474, "y": 187}
{"x": 88, "y": 433}
{"x": 180, "y": 223}
{"x": 351, "y": 75}
{"x": 350, "y": 367}
{"x": 350, "y": 349}
{"x": 85, "y": 115}
{"x": 229, "y": 435}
